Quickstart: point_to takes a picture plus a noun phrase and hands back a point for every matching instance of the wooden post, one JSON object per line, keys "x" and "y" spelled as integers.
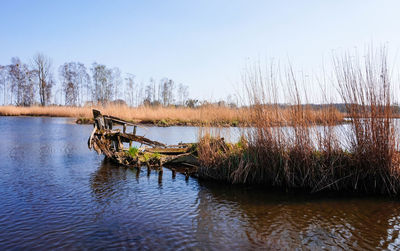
{"x": 138, "y": 173}
{"x": 120, "y": 145}
{"x": 173, "y": 173}
{"x": 186, "y": 174}
{"x": 160, "y": 179}
{"x": 109, "y": 124}
{"x": 160, "y": 173}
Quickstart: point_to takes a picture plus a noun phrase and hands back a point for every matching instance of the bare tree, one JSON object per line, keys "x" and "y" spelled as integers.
{"x": 74, "y": 78}
{"x": 69, "y": 81}
{"x": 83, "y": 78}
{"x": 160, "y": 87}
{"x": 117, "y": 83}
{"x": 168, "y": 86}
{"x": 183, "y": 93}
{"x": 42, "y": 68}
{"x": 231, "y": 101}
{"x": 102, "y": 83}
{"x": 134, "y": 92}
{"x": 153, "y": 84}
{"x": 28, "y": 96}
{"x": 149, "y": 93}
{"x": 3, "y": 82}
{"x": 22, "y": 85}
{"x": 130, "y": 89}
{"x": 16, "y": 77}
{"x": 140, "y": 94}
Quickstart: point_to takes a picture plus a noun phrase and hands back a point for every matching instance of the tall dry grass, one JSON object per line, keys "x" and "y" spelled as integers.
{"x": 49, "y": 111}
{"x": 366, "y": 89}
{"x": 305, "y": 157}
{"x": 204, "y": 115}
{"x": 208, "y": 114}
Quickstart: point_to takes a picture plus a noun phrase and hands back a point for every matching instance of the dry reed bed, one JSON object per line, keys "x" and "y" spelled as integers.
{"x": 270, "y": 156}
{"x": 169, "y": 115}
{"x": 205, "y": 115}
{"x": 48, "y": 111}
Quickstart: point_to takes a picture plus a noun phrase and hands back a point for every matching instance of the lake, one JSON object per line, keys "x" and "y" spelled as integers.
{"x": 56, "y": 194}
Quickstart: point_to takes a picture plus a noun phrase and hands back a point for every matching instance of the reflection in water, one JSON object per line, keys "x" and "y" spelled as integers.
{"x": 279, "y": 220}
{"x": 160, "y": 176}
{"x": 106, "y": 180}
{"x": 56, "y": 194}
{"x": 242, "y": 217}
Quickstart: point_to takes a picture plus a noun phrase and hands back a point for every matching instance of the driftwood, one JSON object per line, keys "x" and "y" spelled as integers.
{"x": 110, "y": 142}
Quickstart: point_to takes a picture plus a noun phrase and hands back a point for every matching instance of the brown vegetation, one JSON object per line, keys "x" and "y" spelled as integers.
{"x": 164, "y": 116}
{"x": 306, "y": 157}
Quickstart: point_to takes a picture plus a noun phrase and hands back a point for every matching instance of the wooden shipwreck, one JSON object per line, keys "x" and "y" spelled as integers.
{"x": 107, "y": 140}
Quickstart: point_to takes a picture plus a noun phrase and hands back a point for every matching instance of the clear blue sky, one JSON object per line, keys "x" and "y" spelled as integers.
{"x": 204, "y": 44}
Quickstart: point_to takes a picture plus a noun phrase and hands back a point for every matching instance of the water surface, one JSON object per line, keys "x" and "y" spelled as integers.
{"x": 56, "y": 194}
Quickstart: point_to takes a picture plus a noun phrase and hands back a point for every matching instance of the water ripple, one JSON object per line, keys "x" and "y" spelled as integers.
{"x": 55, "y": 194}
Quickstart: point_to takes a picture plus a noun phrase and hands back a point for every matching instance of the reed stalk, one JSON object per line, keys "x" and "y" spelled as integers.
{"x": 304, "y": 156}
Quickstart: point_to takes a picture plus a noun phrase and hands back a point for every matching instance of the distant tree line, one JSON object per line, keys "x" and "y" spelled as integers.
{"x": 34, "y": 83}
{"x": 25, "y": 84}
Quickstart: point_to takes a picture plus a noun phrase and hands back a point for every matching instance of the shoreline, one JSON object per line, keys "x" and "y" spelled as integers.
{"x": 167, "y": 122}
{"x": 215, "y": 116}
{"x": 157, "y": 123}
{"x": 156, "y": 116}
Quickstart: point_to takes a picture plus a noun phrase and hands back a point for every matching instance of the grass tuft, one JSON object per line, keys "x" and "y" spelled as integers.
{"x": 303, "y": 156}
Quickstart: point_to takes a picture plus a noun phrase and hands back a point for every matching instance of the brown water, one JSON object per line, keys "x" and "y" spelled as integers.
{"x": 56, "y": 194}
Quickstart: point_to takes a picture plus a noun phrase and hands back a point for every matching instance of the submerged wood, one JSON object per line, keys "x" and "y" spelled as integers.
{"x": 110, "y": 142}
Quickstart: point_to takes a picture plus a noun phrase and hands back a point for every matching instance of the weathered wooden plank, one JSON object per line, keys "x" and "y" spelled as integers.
{"x": 109, "y": 142}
